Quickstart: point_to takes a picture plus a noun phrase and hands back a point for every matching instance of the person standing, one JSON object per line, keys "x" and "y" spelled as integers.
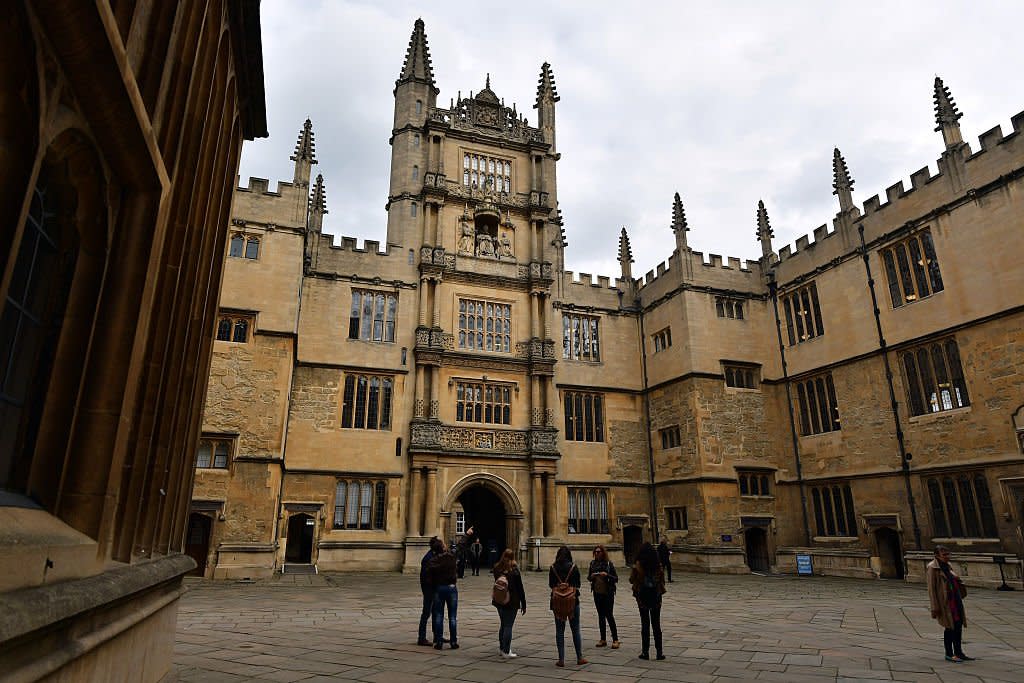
{"x": 443, "y": 578}
{"x": 603, "y": 579}
{"x": 428, "y": 594}
{"x": 648, "y": 581}
{"x": 665, "y": 556}
{"x": 476, "y": 551}
{"x": 564, "y": 571}
{"x": 514, "y": 599}
{"x": 946, "y": 594}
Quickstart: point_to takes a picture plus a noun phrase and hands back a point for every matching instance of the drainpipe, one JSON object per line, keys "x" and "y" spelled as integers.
{"x": 904, "y": 456}
{"x": 650, "y": 445}
{"x": 773, "y": 288}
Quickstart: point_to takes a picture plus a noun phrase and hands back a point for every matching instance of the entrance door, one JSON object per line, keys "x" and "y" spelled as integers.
{"x": 632, "y": 539}
{"x": 197, "y": 542}
{"x": 486, "y": 514}
{"x": 299, "y": 549}
{"x": 757, "y": 550}
{"x": 890, "y": 553}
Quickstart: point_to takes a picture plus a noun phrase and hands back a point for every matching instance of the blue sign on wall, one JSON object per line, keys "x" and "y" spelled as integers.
{"x": 726, "y": 538}
{"x": 803, "y": 565}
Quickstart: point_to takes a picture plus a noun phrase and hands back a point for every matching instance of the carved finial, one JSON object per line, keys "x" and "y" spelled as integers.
{"x": 764, "y": 230}
{"x": 304, "y": 147}
{"x": 416, "y": 66}
{"x": 947, "y": 116}
{"x": 625, "y": 255}
{"x": 318, "y": 197}
{"x": 546, "y": 90}
{"x": 842, "y": 183}
{"x": 488, "y": 83}
{"x": 679, "y": 226}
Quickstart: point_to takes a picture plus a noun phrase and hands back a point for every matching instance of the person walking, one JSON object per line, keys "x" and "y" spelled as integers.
{"x": 427, "y": 588}
{"x": 476, "y": 551}
{"x": 648, "y": 581}
{"x": 563, "y": 575}
{"x": 508, "y": 596}
{"x": 665, "y": 557}
{"x": 443, "y": 578}
{"x": 603, "y": 579}
{"x": 946, "y": 594}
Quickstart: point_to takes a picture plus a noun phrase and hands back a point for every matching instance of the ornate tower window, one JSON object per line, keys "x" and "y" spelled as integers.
{"x": 483, "y": 172}
{"x": 485, "y": 326}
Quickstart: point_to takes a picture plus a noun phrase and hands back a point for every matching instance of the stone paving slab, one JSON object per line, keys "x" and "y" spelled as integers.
{"x": 362, "y": 627}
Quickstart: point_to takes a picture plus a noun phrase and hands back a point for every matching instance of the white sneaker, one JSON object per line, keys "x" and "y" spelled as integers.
{"x": 508, "y": 655}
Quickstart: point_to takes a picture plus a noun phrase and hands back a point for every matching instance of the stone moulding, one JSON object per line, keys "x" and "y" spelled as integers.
{"x": 433, "y": 436}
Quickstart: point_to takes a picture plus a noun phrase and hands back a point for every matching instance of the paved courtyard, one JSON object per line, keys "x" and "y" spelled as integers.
{"x": 362, "y": 627}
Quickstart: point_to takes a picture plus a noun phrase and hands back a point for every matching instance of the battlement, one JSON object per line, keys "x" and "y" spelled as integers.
{"x": 587, "y": 280}
{"x": 352, "y": 244}
{"x": 260, "y": 186}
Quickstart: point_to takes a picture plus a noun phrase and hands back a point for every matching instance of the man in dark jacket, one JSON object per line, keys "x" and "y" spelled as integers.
{"x": 428, "y": 594}
{"x": 443, "y": 577}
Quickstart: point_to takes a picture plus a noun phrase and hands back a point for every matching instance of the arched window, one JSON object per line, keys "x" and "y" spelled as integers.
{"x": 415, "y": 172}
{"x": 252, "y": 248}
{"x": 237, "y": 247}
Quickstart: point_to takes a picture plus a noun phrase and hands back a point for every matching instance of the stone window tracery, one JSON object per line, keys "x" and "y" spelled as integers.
{"x": 588, "y": 511}
{"x": 819, "y": 410}
{"x": 235, "y": 327}
{"x": 580, "y": 337}
{"x": 728, "y": 308}
{"x": 740, "y": 376}
{"x": 935, "y": 378}
{"x": 912, "y": 269}
{"x": 360, "y": 504}
{"x": 584, "y": 416}
{"x": 242, "y": 245}
{"x": 675, "y": 518}
{"x": 662, "y": 339}
{"x": 366, "y": 402}
{"x": 485, "y": 402}
{"x": 754, "y": 483}
{"x": 961, "y": 506}
{"x": 485, "y": 326}
{"x": 833, "y": 510}
{"x": 669, "y": 437}
{"x": 213, "y": 453}
{"x": 483, "y": 172}
{"x": 803, "y": 314}
{"x": 372, "y": 316}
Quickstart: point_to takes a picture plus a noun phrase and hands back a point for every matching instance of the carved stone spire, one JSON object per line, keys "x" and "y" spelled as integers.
{"x": 547, "y": 95}
{"x": 625, "y": 255}
{"x": 416, "y": 66}
{"x": 764, "y": 231}
{"x": 317, "y": 204}
{"x": 842, "y": 183}
{"x": 947, "y": 116}
{"x": 679, "y": 226}
{"x": 305, "y": 154}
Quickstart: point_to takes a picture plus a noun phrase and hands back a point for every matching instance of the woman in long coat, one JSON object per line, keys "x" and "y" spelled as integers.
{"x": 946, "y": 594}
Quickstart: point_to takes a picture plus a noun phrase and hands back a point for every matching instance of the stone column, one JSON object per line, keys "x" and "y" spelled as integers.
{"x": 423, "y": 217}
{"x": 423, "y": 302}
{"x": 436, "y": 305}
{"x": 435, "y": 392}
{"x": 430, "y": 514}
{"x": 416, "y": 503}
{"x": 536, "y": 407}
{"x": 537, "y": 509}
{"x": 440, "y": 154}
{"x": 419, "y": 401}
{"x": 542, "y": 314}
{"x": 549, "y": 504}
{"x": 534, "y": 320}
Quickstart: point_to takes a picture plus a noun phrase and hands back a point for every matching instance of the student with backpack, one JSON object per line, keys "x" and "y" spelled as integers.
{"x": 508, "y": 595}
{"x": 603, "y": 579}
{"x": 648, "y": 581}
{"x": 564, "y": 581}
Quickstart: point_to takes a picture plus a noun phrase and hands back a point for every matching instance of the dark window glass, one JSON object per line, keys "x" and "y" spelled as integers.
{"x": 237, "y": 246}
{"x": 252, "y": 248}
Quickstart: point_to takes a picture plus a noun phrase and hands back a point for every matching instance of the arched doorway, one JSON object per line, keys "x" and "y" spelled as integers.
{"x": 756, "y": 541}
{"x": 632, "y": 539}
{"x": 299, "y": 549}
{"x": 485, "y": 512}
{"x": 197, "y": 541}
{"x": 890, "y": 553}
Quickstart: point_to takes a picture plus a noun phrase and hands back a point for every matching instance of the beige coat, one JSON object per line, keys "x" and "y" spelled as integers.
{"x": 938, "y": 595}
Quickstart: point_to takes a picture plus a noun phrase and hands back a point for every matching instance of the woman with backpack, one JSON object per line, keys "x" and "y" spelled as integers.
{"x": 603, "y": 578}
{"x": 648, "y": 581}
{"x": 564, "y": 581}
{"x": 508, "y": 595}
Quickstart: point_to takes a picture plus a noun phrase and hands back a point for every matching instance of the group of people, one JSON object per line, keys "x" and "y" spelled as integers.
{"x": 440, "y": 571}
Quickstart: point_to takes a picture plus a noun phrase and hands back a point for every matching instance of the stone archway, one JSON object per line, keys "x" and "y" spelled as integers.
{"x": 482, "y": 497}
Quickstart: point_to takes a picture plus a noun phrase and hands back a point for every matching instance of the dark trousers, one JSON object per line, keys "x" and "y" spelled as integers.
{"x": 650, "y": 617}
{"x": 446, "y": 596}
{"x": 605, "y": 605}
{"x": 476, "y": 566}
{"x": 952, "y": 638}
{"x": 428, "y": 606}
{"x": 508, "y": 619}
{"x": 574, "y": 626}
{"x": 668, "y": 570}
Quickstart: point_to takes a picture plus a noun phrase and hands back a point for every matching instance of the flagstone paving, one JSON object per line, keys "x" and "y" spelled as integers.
{"x": 362, "y": 627}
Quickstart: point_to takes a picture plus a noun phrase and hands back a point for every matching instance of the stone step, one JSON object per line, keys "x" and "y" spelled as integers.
{"x": 299, "y": 569}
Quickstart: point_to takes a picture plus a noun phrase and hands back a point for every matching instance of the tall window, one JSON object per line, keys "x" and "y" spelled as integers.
{"x": 935, "y": 378}
{"x": 584, "y": 419}
{"x": 372, "y": 317}
{"x": 675, "y": 518}
{"x": 912, "y": 269}
{"x": 480, "y": 171}
{"x": 483, "y": 402}
{"x": 662, "y": 339}
{"x": 819, "y": 411}
{"x": 234, "y": 327}
{"x": 961, "y": 506}
{"x": 580, "y": 338}
{"x": 367, "y": 402}
{"x": 485, "y": 326}
{"x": 728, "y": 308}
{"x": 803, "y": 314}
{"x": 833, "y": 510}
{"x": 244, "y": 246}
{"x": 360, "y": 504}
{"x": 669, "y": 438}
{"x": 213, "y": 453}
{"x": 740, "y": 376}
{"x": 588, "y": 511}
{"x": 754, "y": 483}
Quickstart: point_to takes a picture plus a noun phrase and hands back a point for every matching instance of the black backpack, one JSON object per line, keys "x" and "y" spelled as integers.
{"x": 648, "y": 592}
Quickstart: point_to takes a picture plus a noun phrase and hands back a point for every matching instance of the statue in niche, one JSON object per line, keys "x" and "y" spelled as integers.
{"x": 466, "y": 245}
{"x": 484, "y": 245}
{"x": 504, "y": 246}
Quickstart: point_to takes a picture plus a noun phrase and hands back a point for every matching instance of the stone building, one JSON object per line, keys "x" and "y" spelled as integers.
{"x": 121, "y": 125}
{"x": 852, "y": 401}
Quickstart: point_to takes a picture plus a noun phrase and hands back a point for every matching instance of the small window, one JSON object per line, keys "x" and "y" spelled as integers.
{"x": 460, "y": 522}
{"x": 728, "y": 308}
{"x": 237, "y": 245}
{"x": 415, "y": 172}
{"x": 675, "y": 518}
{"x": 833, "y": 510}
{"x": 669, "y": 438}
{"x": 419, "y": 106}
{"x": 754, "y": 483}
{"x": 244, "y": 246}
{"x": 360, "y": 504}
{"x": 912, "y": 269}
{"x": 588, "y": 511}
{"x": 213, "y": 453}
{"x": 584, "y": 419}
{"x": 803, "y": 314}
{"x": 412, "y": 209}
{"x": 580, "y": 337}
{"x": 416, "y": 140}
{"x": 741, "y": 376}
{"x": 662, "y": 339}
{"x": 818, "y": 408}
{"x": 234, "y": 327}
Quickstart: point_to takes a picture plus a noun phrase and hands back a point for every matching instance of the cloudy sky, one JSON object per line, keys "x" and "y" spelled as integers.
{"x": 725, "y": 103}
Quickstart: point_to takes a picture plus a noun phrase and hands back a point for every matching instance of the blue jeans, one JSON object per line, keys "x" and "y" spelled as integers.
{"x": 425, "y": 615}
{"x": 508, "y": 619}
{"x": 446, "y": 595}
{"x": 574, "y": 625}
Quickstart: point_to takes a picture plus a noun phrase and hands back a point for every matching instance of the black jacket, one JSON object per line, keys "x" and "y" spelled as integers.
{"x": 443, "y": 570}
{"x": 425, "y": 585}
{"x": 516, "y": 591}
{"x": 598, "y": 566}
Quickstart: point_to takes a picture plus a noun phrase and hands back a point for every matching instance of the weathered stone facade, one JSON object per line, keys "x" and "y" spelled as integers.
{"x": 621, "y": 409}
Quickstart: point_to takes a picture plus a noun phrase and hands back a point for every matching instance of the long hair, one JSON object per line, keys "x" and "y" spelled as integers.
{"x": 563, "y": 557}
{"x": 506, "y": 563}
{"x": 647, "y": 558}
{"x": 600, "y": 554}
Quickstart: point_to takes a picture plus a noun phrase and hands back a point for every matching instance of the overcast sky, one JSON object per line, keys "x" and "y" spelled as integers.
{"x": 725, "y": 103}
